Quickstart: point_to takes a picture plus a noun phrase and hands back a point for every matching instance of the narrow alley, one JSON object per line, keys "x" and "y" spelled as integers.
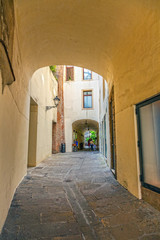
{"x": 74, "y": 196}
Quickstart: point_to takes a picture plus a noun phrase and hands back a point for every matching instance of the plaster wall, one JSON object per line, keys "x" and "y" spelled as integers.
{"x": 43, "y": 88}
{"x": 14, "y": 113}
{"x": 14, "y": 122}
{"x": 73, "y": 102}
{"x": 137, "y": 78}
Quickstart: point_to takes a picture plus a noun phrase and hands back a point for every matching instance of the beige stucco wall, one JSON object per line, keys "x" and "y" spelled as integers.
{"x": 43, "y": 88}
{"x": 14, "y": 122}
{"x": 14, "y": 113}
{"x": 73, "y": 102}
{"x": 137, "y": 78}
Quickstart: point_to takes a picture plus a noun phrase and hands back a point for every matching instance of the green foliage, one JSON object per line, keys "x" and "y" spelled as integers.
{"x": 53, "y": 68}
{"x": 93, "y": 136}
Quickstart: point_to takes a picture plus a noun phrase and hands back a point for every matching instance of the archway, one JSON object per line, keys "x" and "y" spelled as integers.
{"x": 81, "y": 129}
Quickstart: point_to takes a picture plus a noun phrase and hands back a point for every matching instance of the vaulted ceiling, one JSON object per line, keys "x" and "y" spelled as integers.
{"x": 83, "y": 125}
{"x": 86, "y": 33}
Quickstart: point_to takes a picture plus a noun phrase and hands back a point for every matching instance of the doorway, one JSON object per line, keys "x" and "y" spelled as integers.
{"x": 105, "y": 135}
{"x": 32, "y": 140}
{"x": 112, "y": 132}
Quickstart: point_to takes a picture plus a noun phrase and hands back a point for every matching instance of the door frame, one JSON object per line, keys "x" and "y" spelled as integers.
{"x": 140, "y": 146}
{"x": 32, "y": 134}
{"x": 112, "y": 133}
{"x": 105, "y": 135}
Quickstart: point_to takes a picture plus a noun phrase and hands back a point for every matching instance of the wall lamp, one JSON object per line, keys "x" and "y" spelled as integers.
{"x": 56, "y": 102}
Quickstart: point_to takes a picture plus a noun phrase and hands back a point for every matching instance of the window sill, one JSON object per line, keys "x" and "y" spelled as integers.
{"x": 87, "y": 108}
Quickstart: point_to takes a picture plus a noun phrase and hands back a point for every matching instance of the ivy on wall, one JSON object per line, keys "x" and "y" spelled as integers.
{"x": 54, "y": 71}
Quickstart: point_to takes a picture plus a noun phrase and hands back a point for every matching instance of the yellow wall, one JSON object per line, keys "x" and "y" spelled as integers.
{"x": 14, "y": 118}
{"x": 43, "y": 88}
{"x": 137, "y": 78}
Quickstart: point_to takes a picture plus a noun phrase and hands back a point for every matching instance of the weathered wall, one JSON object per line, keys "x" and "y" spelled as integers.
{"x": 58, "y": 127}
{"x": 43, "y": 88}
{"x": 13, "y": 116}
{"x": 73, "y": 102}
{"x": 137, "y": 78}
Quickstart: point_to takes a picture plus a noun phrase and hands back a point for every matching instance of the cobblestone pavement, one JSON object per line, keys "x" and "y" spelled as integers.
{"x": 74, "y": 196}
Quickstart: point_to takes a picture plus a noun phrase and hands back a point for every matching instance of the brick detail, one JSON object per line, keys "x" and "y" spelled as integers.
{"x": 58, "y": 127}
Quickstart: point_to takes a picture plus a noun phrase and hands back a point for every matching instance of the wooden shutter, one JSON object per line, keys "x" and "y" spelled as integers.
{"x": 69, "y": 73}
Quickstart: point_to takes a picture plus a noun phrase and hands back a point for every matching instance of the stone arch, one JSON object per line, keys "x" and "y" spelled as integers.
{"x": 81, "y": 126}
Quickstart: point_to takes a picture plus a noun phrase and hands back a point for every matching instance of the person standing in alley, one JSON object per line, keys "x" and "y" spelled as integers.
{"x": 91, "y": 144}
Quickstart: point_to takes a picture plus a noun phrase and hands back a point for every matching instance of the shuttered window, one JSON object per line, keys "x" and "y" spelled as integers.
{"x": 69, "y": 73}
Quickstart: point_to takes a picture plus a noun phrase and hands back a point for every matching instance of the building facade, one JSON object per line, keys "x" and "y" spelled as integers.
{"x": 81, "y": 106}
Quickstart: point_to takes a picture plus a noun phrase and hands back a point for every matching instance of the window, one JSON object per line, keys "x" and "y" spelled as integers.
{"x": 148, "y": 116}
{"x": 87, "y": 99}
{"x": 103, "y": 89}
{"x": 87, "y": 74}
{"x": 69, "y": 73}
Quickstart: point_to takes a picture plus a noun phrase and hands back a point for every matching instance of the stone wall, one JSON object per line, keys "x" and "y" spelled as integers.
{"x": 58, "y": 128}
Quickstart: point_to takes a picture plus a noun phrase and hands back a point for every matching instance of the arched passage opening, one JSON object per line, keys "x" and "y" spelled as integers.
{"x": 81, "y": 131}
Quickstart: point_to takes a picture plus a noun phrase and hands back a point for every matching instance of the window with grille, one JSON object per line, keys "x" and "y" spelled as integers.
{"x": 87, "y": 74}
{"x": 87, "y": 99}
{"x": 69, "y": 73}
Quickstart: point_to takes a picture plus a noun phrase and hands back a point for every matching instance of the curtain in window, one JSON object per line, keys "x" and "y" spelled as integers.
{"x": 150, "y": 133}
{"x": 87, "y": 101}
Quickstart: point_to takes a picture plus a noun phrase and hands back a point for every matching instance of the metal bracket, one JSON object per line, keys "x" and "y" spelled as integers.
{"x": 50, "y": 107}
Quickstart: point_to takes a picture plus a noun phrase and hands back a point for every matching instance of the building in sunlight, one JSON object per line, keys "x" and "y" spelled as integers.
{"x": 81, "y": 105}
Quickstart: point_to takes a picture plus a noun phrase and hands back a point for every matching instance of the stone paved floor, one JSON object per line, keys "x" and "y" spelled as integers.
{"x": 74, "y": 196}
